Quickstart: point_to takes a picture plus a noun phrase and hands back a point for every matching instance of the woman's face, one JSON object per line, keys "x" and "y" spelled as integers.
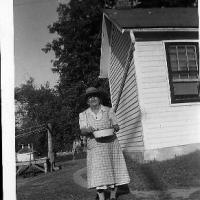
{"x": 93, "y": 101}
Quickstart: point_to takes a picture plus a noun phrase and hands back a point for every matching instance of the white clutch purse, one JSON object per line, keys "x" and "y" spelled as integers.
{"x": 103, "y": 133}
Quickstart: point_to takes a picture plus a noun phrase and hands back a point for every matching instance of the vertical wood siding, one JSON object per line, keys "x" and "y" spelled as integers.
{"x": 128, "y": 112}
{"x": 164, "y": 124}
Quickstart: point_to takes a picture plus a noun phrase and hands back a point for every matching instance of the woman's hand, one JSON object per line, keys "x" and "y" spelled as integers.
{"x": 116, "y": 127}
{"x": 87, "y": 131}
{"x": 90, "y": 129}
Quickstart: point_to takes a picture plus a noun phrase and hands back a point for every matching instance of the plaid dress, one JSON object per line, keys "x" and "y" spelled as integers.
{"x": 105, "y": 161}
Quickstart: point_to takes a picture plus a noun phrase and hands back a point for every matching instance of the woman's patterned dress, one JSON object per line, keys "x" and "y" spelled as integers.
{"x": 105, "y": 161}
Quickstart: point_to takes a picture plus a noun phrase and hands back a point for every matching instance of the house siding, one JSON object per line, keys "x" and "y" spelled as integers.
{"x": 128, "y": 112}
{"x": 164, "y": 124}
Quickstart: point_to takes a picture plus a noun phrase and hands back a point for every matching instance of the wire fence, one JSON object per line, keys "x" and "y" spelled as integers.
{"x": 31, "y": 130}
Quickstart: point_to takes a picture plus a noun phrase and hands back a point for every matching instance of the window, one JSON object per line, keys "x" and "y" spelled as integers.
{"x": 183, "y": 68}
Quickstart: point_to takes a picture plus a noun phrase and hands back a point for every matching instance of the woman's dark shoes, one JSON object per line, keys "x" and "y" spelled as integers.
{"x": 107, "y": 196}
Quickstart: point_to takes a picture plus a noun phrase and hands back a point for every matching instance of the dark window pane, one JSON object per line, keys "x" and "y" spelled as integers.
{"x": 175, "y": 76}
{"x": 183, "y": 65}
{"x": 193, "y": 68}
{"x": 172, "y": 49}
{"x": 173, "y": 57}
{"x": 183, "y": 75}
{"x": 191, "y": 56}
{"x": 182, "y": 50}
{"x": 182, "y": 56}
{"x": 192, "y": 65}
{"x": 191, "y": 50}
{"x": 174, "y": 66}
{"x": 193, "y": 75}
{"x": 186, "y": 88}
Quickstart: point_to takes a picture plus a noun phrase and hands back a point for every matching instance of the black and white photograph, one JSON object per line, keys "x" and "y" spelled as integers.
{"x": 105, "y": 100}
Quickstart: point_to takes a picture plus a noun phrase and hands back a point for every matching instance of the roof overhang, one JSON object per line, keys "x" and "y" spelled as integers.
{"x": 155, "y": 19}
{"x": 161, "y": 30}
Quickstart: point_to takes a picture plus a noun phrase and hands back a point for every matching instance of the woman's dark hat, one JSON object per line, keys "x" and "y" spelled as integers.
{"x": 92, "y": 91}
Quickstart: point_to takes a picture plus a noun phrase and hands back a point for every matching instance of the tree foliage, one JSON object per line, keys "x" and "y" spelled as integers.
{"x": 38, "y": 106}
{"x": 77, "y": 50}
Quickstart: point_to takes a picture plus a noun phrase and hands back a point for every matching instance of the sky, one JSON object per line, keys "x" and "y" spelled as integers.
{"x": 31, "y": 18}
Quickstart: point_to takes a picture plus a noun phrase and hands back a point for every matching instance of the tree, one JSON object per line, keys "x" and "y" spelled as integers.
{"x": 77, "y": 49}
{"x": 77, "y": 53}
{"x": 38, "y": 106}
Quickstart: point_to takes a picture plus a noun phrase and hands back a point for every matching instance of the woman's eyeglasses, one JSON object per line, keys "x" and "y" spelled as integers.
{"x": 91, "y": 97}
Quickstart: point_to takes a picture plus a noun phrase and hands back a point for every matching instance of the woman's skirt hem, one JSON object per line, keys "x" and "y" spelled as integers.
{"x": 107, "y": 186}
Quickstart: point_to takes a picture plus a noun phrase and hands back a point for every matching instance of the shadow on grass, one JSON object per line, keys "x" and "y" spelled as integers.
{"x": 144, "y": 177}
{"x": 154, "y": 179}
{"x": 195, "y": 195}
{"x": 123, "y": 189}
{"x": 181, "y": 171}
{"x": 155, "y": 182}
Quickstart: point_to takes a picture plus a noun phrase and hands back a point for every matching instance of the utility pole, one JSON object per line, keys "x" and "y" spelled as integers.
{"x": 50, "y": 147}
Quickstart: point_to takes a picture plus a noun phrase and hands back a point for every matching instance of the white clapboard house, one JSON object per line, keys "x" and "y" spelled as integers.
{"x": 151, "y": 58}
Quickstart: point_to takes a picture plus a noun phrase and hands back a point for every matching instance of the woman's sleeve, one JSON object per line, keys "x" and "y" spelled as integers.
{"x": 82, "y": 120}
{"x": 112, "y": 116}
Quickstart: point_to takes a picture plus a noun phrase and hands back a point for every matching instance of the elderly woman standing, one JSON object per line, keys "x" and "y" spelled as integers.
{"x": 106, "y": 167}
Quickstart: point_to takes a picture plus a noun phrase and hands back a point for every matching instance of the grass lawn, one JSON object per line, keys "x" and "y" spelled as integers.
{"x": 181, "y": 172}
{"x": 58, "y": 185}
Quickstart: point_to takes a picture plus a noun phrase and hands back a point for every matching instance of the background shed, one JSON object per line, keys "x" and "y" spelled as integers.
{"x": 26, "y": 153}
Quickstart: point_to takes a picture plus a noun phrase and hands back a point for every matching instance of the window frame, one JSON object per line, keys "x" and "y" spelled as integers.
{"x": 188, "y": 98}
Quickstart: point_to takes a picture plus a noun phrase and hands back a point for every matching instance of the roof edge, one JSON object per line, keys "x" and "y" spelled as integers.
{"x": 161, "y": 29}
{"x": 153, "y": 28}
{"x": 114, "y": 22}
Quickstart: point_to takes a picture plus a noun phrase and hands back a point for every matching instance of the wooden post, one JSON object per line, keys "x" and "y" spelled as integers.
{"x": 50, "y": 147}
{"x": 45, "y": 167}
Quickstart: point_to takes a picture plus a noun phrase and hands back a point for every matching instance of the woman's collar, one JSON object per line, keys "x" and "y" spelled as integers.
{"x": 102, "y": 108}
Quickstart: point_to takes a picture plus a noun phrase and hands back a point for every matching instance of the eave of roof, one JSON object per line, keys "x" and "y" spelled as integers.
{"x": 154, "y": 19}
